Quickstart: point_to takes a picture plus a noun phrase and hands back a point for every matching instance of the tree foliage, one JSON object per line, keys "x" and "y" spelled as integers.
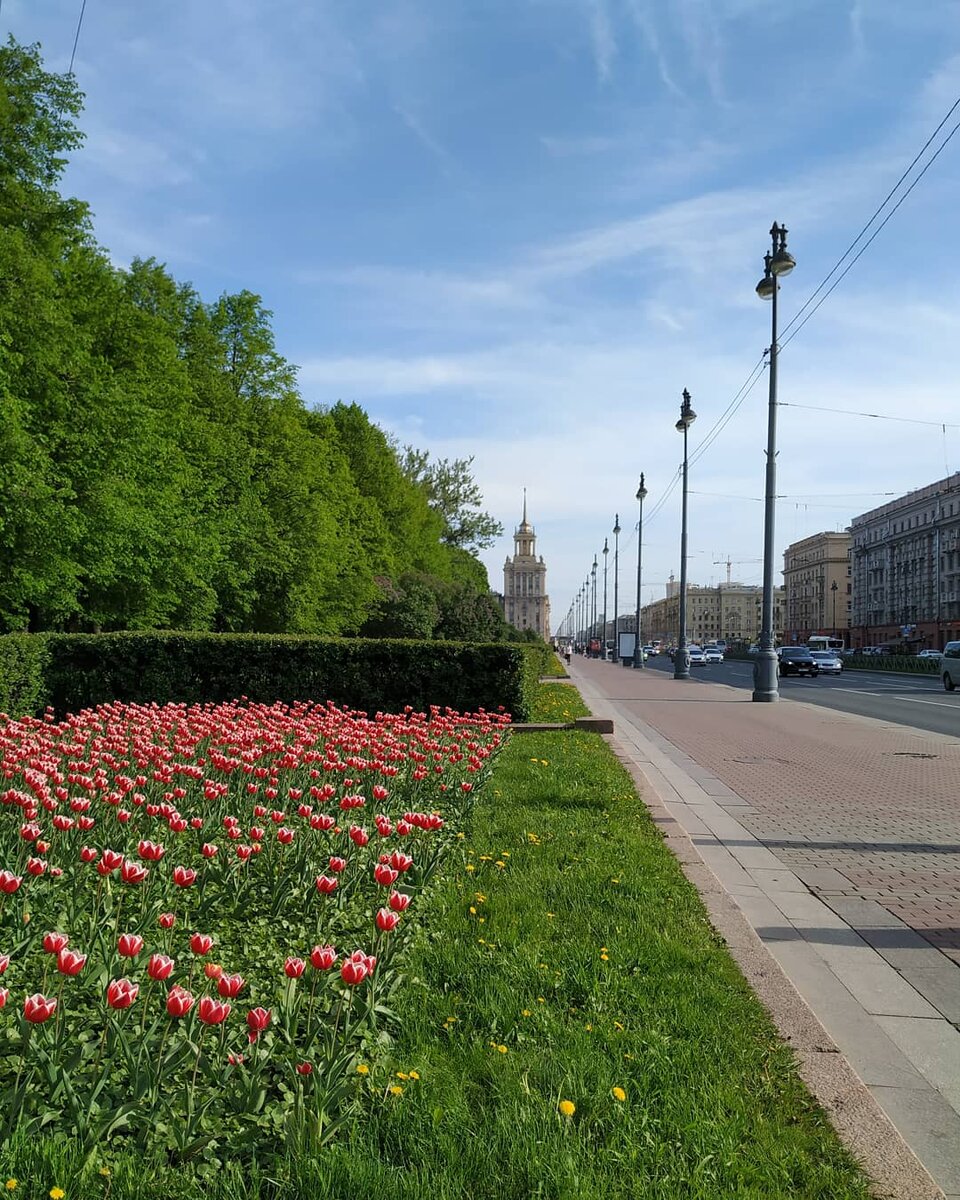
{"x": 159, "y": 468}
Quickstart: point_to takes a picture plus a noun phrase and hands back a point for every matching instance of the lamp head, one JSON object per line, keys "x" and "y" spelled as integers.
{"x": 641, "y": 490}
{"x": 687, "y": 415}
{"x": 768, "y": 284}
{"x": 606, "y": 548}
{"x": 616, "y": 524}
{"x": 782, "y": 262}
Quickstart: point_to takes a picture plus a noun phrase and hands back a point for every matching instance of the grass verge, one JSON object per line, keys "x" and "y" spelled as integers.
{"x": 566, "y": 962}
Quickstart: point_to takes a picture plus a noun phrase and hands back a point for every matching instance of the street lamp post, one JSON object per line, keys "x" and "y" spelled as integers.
{"x": 833, "y": 596}
{"x": 778, "y": 262}
{"x": 681, "y": 659}
{"x": 616, "y": 581}
{"x": 603, "y": 637}
{"x": 638, "y": 645}
{"x": 593, "y": 603}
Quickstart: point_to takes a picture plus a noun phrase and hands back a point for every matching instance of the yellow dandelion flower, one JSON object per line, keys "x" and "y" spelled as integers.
{"x": 567, "y": 1108}
{"x": 473, "y": 911}
{"x": 501, "y": 1049}
{"x": 414, "y": 1074}
{"x": 604, "y": 957}
{"x": 618, "y": 1026}
{"x": 461, "y": 836}
{"x": 11, "y": 1184}
{"x": 486, "y": 857}
{"x": 396, "y": 1090}
{"x": 105, "y": 1172}
{"x": 618, "y": 1093}
{"x": 545, "y": 762}
{"x": 504, "y": 853}
{"x": 470, "y": 867}
{"x": 603, "y": 950}
{"x": 363, "y": 1069}
{"x": 526, "y": 1013}
{"x": 500, "y": 863}
{"x": 401, "y": 1075}
{"x": 588, "y": 1027}
{"x": 540, "y": 1000}
{"x": 57, "y": 1193}
{"x": 551, "y": 914}
{"x": 481, "y": 920}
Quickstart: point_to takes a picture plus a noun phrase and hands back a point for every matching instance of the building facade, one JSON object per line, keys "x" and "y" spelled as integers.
{"x": 905, "y": 569}
{"x": 817, "y": 587}
{"x": 526, "y": 604}
{"x": 730, "y": 612}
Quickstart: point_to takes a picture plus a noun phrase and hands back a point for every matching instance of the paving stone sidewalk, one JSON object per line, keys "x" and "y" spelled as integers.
{"x": 838, "y": 837}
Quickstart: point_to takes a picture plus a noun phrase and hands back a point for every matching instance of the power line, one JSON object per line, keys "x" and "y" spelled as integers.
{"x": 847, "y": 412}
{"x": 876, "y": 213}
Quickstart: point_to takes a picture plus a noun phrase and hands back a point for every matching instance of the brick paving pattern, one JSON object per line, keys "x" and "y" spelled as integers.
{"x": 858, "y": 809}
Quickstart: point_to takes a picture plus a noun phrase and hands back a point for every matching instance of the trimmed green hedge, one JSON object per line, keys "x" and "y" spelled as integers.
{"x": 72, "y": 671}
{"x": 906, "y": 664}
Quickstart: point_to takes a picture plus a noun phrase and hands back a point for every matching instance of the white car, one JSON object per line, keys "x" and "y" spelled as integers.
{"x": 830, "y": 662}
{"x": 935, "y": 654}
{"x": 697, "y": 658}
{"x": 713, "y": 654}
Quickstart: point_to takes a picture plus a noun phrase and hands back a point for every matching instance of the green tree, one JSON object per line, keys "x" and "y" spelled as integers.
{"x": 453, "y": 493}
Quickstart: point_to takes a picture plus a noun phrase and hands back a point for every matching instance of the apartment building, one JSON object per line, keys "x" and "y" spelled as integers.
{"x": 817, "y": 586}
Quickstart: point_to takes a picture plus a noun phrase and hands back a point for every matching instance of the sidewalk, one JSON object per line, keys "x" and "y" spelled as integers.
{"x": 838, "y": 839}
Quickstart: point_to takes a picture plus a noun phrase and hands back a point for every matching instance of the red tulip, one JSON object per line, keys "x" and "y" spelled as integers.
{"x": 387, "y": 920}
{"x": 400, "y": 861}
{"x": 212, "y": 970}
{"x": 177, "y": 824}
{"x": 230, "y": 986}
{"x": 284, "y": 835}
{"x": 131, "y": 872}
{"x": 9, "y": 882}
{"x": 36, "y": 866}
{"x": 151, "y": 851}
{"x": 337, "y": 864}
{"x": 398, "y": 901}
{"x": 85, "y": 823}
{"x": 53, "y": 943}
{"x": 235, "y": 1060}
{"x": 359, "y": 836}
{"x": 323, "y": 957}
{"x": 184, "y": 876}
{"x": 326, "y": 885}
{"x": 179, "y": 1001}
{"x": 89, "y": 854}
{"x": 111, "y": 859}
{"x": 30, "y": 831}
{"x": 201, "y": 943}
{"x": 384, "y": 875}
{"x": 212, "y": 1012}
{"x": 353, "y": 973}
{"x": 209, "y": 850}
{"x": 322, "y": 821}
{"x": 4, "y": 962}
{"x": 159, "y": 966}
{"x": 129, "y": 945}
{"x": 69, "y": 962}
{"x": 166, "y": 920}
{"x": 38, "y": 1008}
{"x": 121, "y": 993}
{"x": 258, "y": 1019}
{"x": 4, "y": 996}
{"x": 256, "y": 833}
{"x": 304, "y": 1068}
{"x": 294, "y": 967}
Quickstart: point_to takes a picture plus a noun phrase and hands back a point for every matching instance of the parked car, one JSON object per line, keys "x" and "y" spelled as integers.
{"x": 713, "y": 654}
{"x": 696, "y": 656}
{"x": 649, "y": 650}
{"x": 798, "y": 660}
{"x": 934, "y": 654}
{"x": 830, "y": 661}
{"x": 950, "y": 665}
{"x": 849, "y": 653}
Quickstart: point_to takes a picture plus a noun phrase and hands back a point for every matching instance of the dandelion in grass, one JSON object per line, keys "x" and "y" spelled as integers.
{"x": 396, "y": 1090}
{"x": 618, "y": 1094}
{"x": 414, "y": 1074}
{"x": 57, "y": 1193}
{"x": 501, "y": 1050}
{"x": 567, "y": 1108}
{"x": 363, "y": 1069}
{"x": 11, "y": 1184}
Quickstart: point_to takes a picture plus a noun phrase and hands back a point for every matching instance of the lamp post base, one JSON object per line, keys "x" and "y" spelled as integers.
{"x": 765, "y": 675}
{"x": 681, "y": 664}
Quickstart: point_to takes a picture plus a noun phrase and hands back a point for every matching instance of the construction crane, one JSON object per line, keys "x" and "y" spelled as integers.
{"x": 719, "y": 562}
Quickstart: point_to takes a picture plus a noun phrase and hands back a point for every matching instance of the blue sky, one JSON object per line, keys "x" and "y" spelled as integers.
{"x": 517, "y": 229}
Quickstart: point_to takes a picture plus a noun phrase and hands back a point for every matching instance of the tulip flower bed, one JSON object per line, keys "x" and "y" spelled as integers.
{"x": 202, "y": 912}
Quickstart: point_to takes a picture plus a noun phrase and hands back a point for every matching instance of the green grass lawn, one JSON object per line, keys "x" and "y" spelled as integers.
{"x": 570, "y": 1027}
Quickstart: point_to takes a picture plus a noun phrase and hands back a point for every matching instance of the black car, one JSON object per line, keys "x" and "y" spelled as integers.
{"x": 797, "y": 660}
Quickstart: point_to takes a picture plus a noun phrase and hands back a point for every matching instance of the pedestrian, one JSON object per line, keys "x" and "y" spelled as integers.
{"x": 567, "y": 650}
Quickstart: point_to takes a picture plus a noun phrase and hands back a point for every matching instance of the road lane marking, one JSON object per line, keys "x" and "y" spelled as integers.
{"x": 936, "y": 703}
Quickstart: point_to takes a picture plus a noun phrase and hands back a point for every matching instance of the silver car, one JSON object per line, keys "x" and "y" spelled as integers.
{"x": 712, "y": 654}
{"x": 830, "y": 662}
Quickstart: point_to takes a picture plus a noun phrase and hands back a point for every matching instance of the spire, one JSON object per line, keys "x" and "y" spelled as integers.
{"x": 524, "y": 506}
{"x": 525, "y": 526}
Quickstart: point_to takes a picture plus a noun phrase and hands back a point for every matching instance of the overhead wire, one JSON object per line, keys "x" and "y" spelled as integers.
{"x": 83, "y": 9}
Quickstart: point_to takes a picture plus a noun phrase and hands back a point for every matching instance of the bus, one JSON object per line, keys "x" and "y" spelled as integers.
{"x": 823, "y": 641}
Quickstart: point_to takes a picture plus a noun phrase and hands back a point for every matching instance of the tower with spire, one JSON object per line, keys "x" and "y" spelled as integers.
{"x": 526, "y": 604}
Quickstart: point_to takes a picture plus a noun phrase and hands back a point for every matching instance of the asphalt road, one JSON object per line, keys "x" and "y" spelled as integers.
{"x": 918, "y": 701}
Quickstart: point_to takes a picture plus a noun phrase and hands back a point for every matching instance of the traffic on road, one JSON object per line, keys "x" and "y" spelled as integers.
{"x": 915, "y": 700}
